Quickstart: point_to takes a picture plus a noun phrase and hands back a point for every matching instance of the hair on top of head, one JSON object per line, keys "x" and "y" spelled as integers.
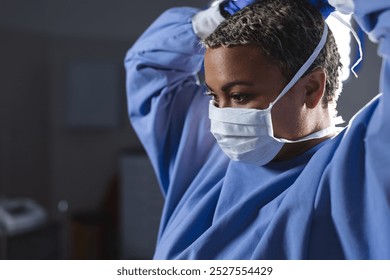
{"x": 287, "y": 31}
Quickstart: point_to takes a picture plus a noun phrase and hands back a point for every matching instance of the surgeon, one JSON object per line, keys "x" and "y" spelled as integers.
{"x": 259, "y": 170}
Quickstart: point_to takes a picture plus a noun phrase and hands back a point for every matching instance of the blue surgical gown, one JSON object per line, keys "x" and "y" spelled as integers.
{"x": 332, "y": 202}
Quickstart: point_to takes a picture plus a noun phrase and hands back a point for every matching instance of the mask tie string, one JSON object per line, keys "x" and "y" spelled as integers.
{"x": 306, "y": 65}
{"x": 357, "y": 39}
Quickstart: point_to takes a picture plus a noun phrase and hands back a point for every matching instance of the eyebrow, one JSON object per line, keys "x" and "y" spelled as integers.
{"x": 226, "y": 87}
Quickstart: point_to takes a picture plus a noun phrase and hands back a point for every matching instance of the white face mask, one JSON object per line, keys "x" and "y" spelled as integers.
{"x": 247, "y": 134}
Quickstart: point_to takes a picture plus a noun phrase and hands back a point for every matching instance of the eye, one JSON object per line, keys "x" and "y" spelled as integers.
{"x": 240, "y": 98}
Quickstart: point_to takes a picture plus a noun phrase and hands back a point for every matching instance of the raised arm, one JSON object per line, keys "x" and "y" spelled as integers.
{"x": 165, "y": 100}
{"x": 360, "y": 177}
{"x": 374, "y": 18}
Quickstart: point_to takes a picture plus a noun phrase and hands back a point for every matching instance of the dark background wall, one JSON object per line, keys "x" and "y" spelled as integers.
{"x": 43, "y": 153}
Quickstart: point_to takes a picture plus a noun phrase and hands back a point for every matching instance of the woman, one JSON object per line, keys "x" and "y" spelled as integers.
{"x": 287, "y": 186}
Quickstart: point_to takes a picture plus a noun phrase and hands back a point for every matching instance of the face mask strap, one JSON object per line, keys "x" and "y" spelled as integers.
{"x": 342, "y": 21}
{"x": 306, "y": 65}
{"x": 319, "y": 134}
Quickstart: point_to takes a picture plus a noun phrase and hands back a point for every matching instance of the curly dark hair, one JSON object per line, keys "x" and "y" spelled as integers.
{"x": 287, "y": 31}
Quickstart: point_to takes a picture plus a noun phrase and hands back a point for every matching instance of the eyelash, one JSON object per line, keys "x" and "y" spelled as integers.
{"x": 244, "y": 97}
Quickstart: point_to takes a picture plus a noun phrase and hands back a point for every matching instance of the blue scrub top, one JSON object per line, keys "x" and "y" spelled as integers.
{"x": 332, "y": 202}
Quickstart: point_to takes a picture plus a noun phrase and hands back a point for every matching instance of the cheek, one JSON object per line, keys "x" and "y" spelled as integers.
{"x": 286, "y": 119}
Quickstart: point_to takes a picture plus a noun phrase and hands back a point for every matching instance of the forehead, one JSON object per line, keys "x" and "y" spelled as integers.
{"x": 244, "y": 62}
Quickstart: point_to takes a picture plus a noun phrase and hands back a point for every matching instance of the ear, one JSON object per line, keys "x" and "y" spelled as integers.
{"x": 315, "y": 83}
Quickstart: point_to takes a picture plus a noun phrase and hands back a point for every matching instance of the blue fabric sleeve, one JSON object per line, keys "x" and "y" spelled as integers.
{"x": 166, "y": 104}
{"x": 359, "y": 174}
{"x": 374, "y": 17}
